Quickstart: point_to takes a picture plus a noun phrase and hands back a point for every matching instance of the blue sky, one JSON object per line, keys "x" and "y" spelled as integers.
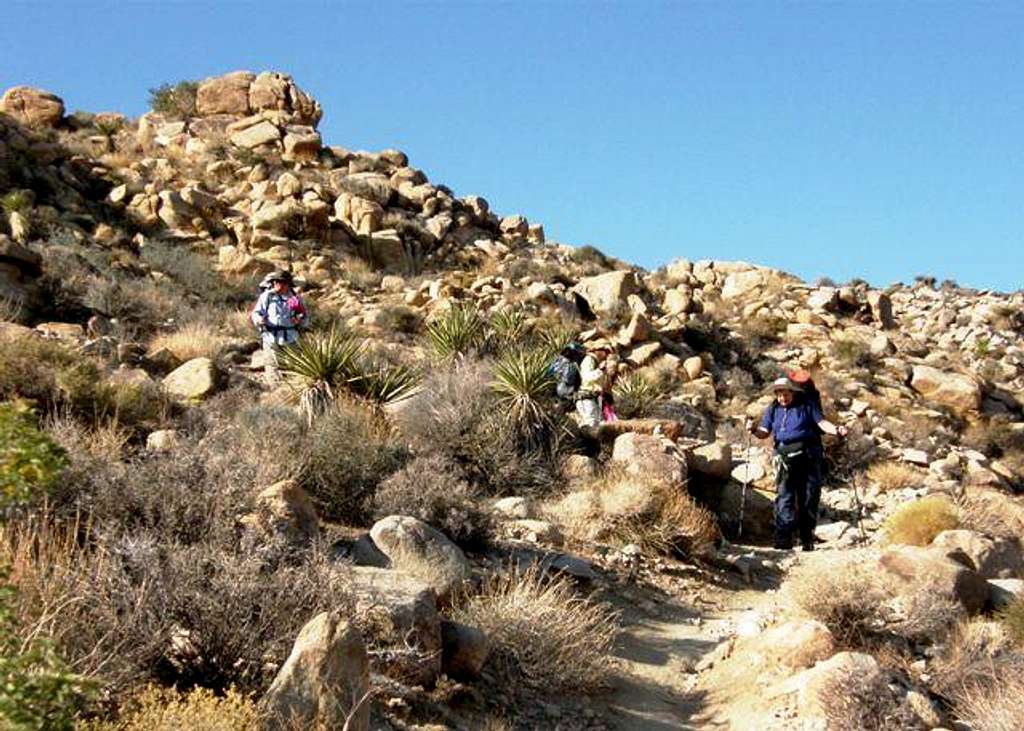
{"x": 872, "y": 139}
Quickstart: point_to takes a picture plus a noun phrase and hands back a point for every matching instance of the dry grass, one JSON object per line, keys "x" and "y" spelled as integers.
{"x": 917, "y": 523}
{"x": 544, "y": 634}
{"x": 845, "y": 597}
{"x": 625, "y": 508}
{"x": 164, "y": 709}
{"x": 887, "y": 476}
{"x": 105, "y": 441}
{"x": 993, "y": 513}
{"x": 192, "y": 340}
{"x": 998, "y": 706}
{"x": 977, "y": 655}
{"x": 852, "y": 704}
{"x": 1012, "y": 619}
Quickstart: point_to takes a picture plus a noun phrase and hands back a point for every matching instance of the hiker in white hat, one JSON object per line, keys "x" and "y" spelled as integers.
{"x": 796, "y": 425}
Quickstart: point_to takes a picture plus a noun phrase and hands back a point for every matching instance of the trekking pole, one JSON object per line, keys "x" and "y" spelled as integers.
{"x": 745, "y": 481}
{"x": 856, "y": 491}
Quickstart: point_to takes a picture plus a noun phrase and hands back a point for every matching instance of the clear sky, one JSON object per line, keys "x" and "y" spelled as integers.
{"x": 872, "y": 139}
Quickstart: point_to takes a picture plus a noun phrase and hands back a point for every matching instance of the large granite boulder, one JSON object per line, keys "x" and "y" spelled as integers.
{"x": 227, "y": 94}
{"x": 913, "y": 568}
{"x": 606, "y": 294}
{"x": 951, "y": 389}
{"x": 650, "y": 456}
{"x": 33, "y": 106}
{"x": 422, "y": 551}
{"x": 325, "y": 682}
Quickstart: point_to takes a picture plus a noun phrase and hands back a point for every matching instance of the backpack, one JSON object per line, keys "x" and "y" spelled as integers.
{"x": 567, "y": 377}
{"x": 803, "y": 379}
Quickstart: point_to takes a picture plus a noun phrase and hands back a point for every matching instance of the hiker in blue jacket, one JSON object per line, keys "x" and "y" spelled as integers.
{"x": 796, "y": 424}
{"x": 279, "y": 314}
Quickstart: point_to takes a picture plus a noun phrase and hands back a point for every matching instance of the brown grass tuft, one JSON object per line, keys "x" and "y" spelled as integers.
{"x": 998, "y": 706}
{"x": 887, "y": 476}
{"x": 845, "y": 598}
{"x": 165, "y": 709}
{"x": 192, "y": 340}
{"x": 545, "y": 635}
{"x": 917, "y": 523}
{"x": 1012, "y": 618}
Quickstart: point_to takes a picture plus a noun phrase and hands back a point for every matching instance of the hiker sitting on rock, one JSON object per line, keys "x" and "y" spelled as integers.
{"x": 796, "y": 423}
{"x": 279, "y": 313}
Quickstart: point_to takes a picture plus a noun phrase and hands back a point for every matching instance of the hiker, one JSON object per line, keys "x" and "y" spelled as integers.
{"x": 611, "y": 374}
{"x": 279, "y": 313}
{"x": 592, "y": 379}
{"x": 565, "y": 369}
{"x": 795, "y": 422}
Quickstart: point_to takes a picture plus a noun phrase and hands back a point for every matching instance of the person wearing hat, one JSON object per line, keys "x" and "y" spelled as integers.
{"x": 592, "y": 382}
{"x": 795, "y": 423}
{"x": 279, "y": 313}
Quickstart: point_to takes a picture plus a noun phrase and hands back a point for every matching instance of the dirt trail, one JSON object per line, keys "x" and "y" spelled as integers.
{"x": 665, "y": 641}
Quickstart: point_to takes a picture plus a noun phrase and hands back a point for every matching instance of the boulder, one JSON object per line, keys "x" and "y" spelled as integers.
{"x": 195, "y": 379}
{"x": 993, "y": 558}
{"x": 325, "y": 681}
{"x": 798, "y": 643}
{"x": 952, "y": 389}
{"x": 713, "y": 460}
{"x": 285, "y": 516}
{"x": 912, "y": 567}
{"x": 854, "y": 674}
{"x": 465, "y": 649}
{"x": 407, "y": 628}
{"x": 677, "y": 302}
{"x": 33, "y": 106}
{"x": 1005, "y": 591}
{"x": 272, "y": 91}
{"x": 514, "y": 226}
{"x": 422, "y": 551}
{"x": 515, "y": 508}
{"x": 532, "y": 530}
{"x": 693, "y": 367}
{"x": 227, "y": 94}
{"x": 162, "y": 440}
{"x": 606, "y": 294}
{"x": 301, "y": 144}
{"x": 881, "y": 309}
{"x": 740, "y": 284}
{"x": 261, "y": 133}
{"x": 650, "y": 456}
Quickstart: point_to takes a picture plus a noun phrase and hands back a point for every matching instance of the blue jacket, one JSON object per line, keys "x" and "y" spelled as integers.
{"x": 796, "y": 422}
{"x": 275, "y": 318}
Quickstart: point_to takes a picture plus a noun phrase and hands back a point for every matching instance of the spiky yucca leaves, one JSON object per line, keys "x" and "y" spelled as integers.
{"x": 555, "y": 337}
{"x": 508, "y": 329}
{"x": 317, "y": 364}
{"x": 524, "y": 386}
{"x": 383, "y": 384}
{"x": 635, "y": 396}
{"x": 456, "y": 332}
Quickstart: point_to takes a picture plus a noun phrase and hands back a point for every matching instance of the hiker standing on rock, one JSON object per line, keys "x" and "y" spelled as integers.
{"x": 592, "y": 380}
{"x": 279, "y": 313}
{"x": 795, "y": 422}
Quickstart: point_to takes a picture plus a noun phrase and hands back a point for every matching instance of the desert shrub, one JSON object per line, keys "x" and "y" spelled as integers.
{"x": 346, "y": 455}
{"x": 193, "y": 274}
{"x": 191, "y": 340}
{"x": 994, "y": 513}
{"x": 402, "y": 319}
{"x": 30, "y": 461}
{"x": 544, "y": 634}
{"x": 140, "y": 304}
{"x": 174, "y": 100}
{"x": 636, "y": 396}
{"x": 852, "y": 704}
{"x": 994, "y": 437}
{"x": 591, "y": 255}
{"x": 764, "y": 327}
{"x": 925, "y": 614}
{"x": 37, "y": 688}
{"x": 893, "y": 476}
{"x": 508, "y": 329}
{"x": 16, "y": 201}
{"x": 996, "y": 706}
{"x": 455, "y": 417}
{"x": 456, "y": 332}
{"x": 1012, "y": 618}
{"x": 917, "y": 523}
{"x": 433, "y": 490}
{"x": 380, "y": 383}
{"x": 165, "y": 709}
{"x": 361, "y": 275}
{"x": 851, "y": 352}
{"x": 977, "y": 657}
{"x": 845, "y": 598}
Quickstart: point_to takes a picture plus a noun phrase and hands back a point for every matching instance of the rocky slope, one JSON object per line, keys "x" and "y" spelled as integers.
{"x": 930, "y": 379}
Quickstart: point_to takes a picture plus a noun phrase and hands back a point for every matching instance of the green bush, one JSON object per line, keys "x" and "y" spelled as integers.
{"x": 174, "y": 100}
{"x": 37, "y": 690}
{"x": 29, "y": 459}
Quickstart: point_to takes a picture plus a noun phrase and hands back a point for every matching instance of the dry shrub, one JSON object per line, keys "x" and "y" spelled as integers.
{"x": 851, "y": 704}
{"x": 430, "y": 488}
{"x": 998, "y": 706}
{"x": 979, "y": 653}
{"x": 889, "y": 476}
{"x": 1012, "y": 618}
{"x": 925, "y": 614}
{"x": 993, "y": 513}
{"x": 846, "y": 598}
{"x": 105, "y": 442}
{"x": 348, "y": 452}
{"x": 192, "y": 340}
{"x": 917, "y": 523}
{"x": 544, "y": 634}
{"x": 165, "y": 709}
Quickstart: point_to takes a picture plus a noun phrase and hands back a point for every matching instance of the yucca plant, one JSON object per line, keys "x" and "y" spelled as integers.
{"x": 508, "y": 329}
{"x": 16, "y": 201}
{"x": 456, "y": 332}
{"x": 554, "y": 338}
{"x": 524, "y": 386}
{"x": 635, "y": 396}
{"x": 384, "y": 384}
{"x": 319, "y": 363}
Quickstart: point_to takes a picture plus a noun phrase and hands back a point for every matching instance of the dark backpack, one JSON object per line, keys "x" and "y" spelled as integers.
{"x": 567, "y": 377}
{"x": 803, "y": 379}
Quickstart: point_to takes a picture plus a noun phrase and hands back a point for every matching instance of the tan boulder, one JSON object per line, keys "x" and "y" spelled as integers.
{"x": 913, "y": 567}
{"x": 363, "y": 215}
{"x": 798, "y": 643}
{"x": 33, "y": 106}
{"x": 606, "y": 294}
{"x": 713, "y": 460}
{"x": 852, "y": 674}
{"x": 301, "y": 144}
{"x": 274, "y": 91}
{"x": 993, "y": 558}
{"x": 952, "y": 389}
{"x": 325, "y": 681}
{"x": 881, "y": 309}
{"x": 285, "y": 515}
{"x": 261, "y": 133}
{"x": 421, "y": 551}
{"x": 465, "y": 649}
{"x": 195, "y": 379}
{"x": 227, "y": 94}
{"x": 162, "y": 440}
{"x": 650, "y": 456}
{"x": 514, "y": 226}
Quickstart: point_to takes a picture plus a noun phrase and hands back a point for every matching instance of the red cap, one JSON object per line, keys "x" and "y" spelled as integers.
{"x": 800, "y": 375}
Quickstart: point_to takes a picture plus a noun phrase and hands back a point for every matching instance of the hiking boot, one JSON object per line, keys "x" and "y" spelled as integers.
{"x": 783, "y": 545}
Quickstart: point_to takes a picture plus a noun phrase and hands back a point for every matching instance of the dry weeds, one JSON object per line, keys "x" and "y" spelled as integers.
{"x": 165, "y": 709}
{"x": 888, "y": 476}
{"x": 545, "y": 635}
{"x": 192, "y": 340}
{"x": 846, "y": 597}
{"x": 917, "y": 523}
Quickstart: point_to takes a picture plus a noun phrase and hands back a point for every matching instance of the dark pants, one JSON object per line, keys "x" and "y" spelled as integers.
{"x": 797, "y": 494}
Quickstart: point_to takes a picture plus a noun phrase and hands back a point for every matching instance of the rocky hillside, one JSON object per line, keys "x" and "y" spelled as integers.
{"x": 442, "y": 526}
